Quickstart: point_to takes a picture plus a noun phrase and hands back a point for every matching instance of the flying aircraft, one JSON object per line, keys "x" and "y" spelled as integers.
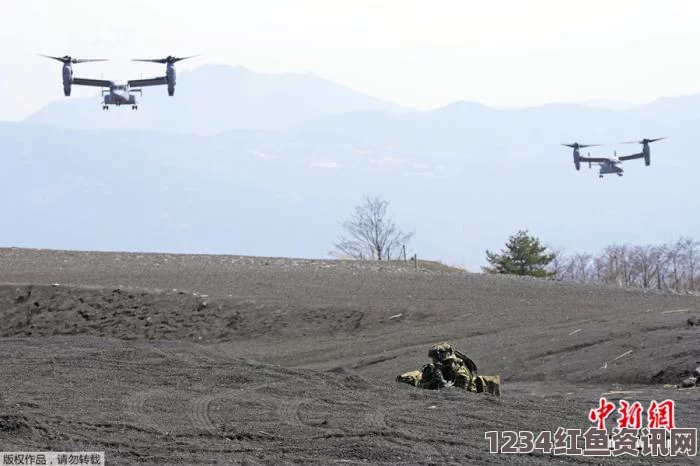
{"x": 119, "y": 92}
{"x": 612, "y": 165}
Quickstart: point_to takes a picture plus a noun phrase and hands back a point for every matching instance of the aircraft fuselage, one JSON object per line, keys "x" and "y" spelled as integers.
{"x": 119, "y": 94}
{"x": 611, "y": 167}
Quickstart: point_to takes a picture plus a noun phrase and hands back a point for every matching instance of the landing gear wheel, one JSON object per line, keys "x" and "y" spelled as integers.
{"x": 600, "y": 176}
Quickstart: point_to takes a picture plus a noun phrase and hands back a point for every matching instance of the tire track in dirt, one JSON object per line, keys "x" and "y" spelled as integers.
{"x": 84, "y": 361}
{"x": 420, "y": 447}
{"x": 375, "y": 425}
{"x": 198, "y": 412}
{"x": 188, "y": 356}
{"x": 198, "y": 408}
{"x": 376, "y": 419}
{"x": 404, "y": 438}
{"x": 288, "y": 413}
{"x": 573, "y": 348}
{"x": 135, "y": 403}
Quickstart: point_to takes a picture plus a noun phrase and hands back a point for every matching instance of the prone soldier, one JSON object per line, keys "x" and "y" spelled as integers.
{"x": 451, "y": 368}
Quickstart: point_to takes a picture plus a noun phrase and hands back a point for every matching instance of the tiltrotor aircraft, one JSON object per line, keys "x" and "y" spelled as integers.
{"x": 119, "y": 92}
{"x": 612, "y": 165}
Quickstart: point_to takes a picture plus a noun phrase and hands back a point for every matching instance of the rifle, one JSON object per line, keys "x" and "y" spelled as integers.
{"x": 467, "y": 361}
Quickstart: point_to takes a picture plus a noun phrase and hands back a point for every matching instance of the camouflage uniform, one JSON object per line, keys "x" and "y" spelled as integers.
{"x": 692, "y": 381}
{"x": 446, "y": 370}
{"x": 451, "y": 368}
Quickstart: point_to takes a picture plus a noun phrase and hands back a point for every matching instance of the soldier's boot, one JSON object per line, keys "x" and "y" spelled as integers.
{"x": 411, "y": 378}
{"x": 488, "y": 384}
{"x": 690, "y": 382}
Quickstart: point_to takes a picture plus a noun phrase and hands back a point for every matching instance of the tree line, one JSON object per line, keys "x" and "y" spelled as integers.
{"x": 672, "y": 266}
{"x": 369, "y": 234}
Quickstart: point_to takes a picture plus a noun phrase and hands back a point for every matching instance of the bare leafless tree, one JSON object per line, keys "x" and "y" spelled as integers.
{"x": 561, "y": 265}
{"x": 641, "y": 262}
{"x": 674, "y": 261}
{"x": 691, "y": 257}
{"x": 583, "y": 268}
{"x": 665, "y": 267}
{"x": 659, "y": 261}
{"x": 613, "y": 265}
{"x": 370, "y": 234}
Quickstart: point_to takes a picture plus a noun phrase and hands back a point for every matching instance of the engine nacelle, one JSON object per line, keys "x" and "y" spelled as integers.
{"x": 577, "y": 160}
{"x": 67, "y": 79}
{"x": 171, "y": 76}
{"x": 647, "y": 155}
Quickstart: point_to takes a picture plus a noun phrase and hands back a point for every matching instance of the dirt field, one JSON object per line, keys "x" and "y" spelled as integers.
{"x": 193, "y": 359}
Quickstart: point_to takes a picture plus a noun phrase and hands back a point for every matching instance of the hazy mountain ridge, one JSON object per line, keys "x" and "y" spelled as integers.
{"x": 215, "y": 98}
{"x": 463, "y": 176}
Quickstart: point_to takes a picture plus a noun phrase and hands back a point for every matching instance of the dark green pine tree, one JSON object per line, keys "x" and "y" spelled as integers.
{"x": 523, "y": 255}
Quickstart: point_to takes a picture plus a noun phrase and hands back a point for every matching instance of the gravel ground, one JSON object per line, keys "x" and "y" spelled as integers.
{"x": 196, "y": 359}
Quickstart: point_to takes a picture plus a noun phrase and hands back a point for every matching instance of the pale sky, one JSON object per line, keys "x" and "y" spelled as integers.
{"x": 420, "y": 54}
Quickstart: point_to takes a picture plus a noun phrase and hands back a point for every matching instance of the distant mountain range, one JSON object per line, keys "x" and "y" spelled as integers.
{"x": 215, "y": 98}
{"x": 611, "y": 104}
{"x": 278, "y": 162}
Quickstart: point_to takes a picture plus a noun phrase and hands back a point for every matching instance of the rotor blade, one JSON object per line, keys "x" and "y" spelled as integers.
{"x": 580, "y": 146}
{"x": 61, "y": 59}
{"x": 168, "y": 59}
{"x": 151, "y": 60}
{"x": 69, "y": 59}
{"x": 657, "y": 139}
{"x": 86, "y": 60}
{"x": 183, "y": 58}
{"x": 643, "y": 141}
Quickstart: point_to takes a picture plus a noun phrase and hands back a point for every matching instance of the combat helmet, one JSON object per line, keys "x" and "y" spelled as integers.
{"x": 441, "y": 351}
{"x": 444, "y": 351}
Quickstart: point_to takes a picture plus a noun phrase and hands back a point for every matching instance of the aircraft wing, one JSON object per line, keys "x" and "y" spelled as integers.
{"x": 632, "y": 157}
{"x": 92, "y": 82}
{"x": 593, "y": 159}
{"x": 148, "y": 82}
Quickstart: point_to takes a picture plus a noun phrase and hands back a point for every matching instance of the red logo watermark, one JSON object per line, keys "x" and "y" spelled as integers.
{"x": 659, "y": 415}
